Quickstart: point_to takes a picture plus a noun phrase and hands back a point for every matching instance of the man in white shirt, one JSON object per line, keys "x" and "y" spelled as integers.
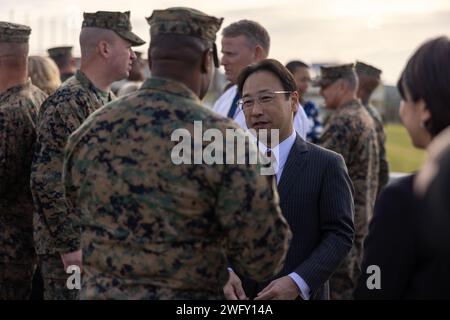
{"x": 314, "y": 188}
{"x": 243, "y": 43}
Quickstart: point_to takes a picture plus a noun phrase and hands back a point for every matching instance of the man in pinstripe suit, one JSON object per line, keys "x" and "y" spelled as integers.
{"x": 314, "y": 187}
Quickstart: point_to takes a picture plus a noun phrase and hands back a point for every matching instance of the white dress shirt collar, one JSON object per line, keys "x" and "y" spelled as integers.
{"x": 280, "y": 153}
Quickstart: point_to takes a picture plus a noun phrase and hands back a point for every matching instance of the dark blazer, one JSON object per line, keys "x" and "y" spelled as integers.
{"x": 316, "y": 199}
{"x": 410, "y": 245}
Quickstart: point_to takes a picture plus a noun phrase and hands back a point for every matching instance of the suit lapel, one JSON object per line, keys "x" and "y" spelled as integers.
{"x": 294, "y": 163}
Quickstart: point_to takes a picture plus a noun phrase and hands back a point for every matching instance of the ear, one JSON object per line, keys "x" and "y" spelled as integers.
{"x": 260, "y": 54}
{"x": 104, "y": 49}
{"x": 206, "y": 61}
{"x": 342, "y": 85}
{"x": 294, "y": 101}
{"x": 424, "y": 112}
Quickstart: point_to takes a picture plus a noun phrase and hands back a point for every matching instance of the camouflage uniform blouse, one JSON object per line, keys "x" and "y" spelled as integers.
{"x": 155, "y": 230}
{"x": 18, "y": 112}
{"x": 60, "y": 115}
{"x": 350, "y": 131}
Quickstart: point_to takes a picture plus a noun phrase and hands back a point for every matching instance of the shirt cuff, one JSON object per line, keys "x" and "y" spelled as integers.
{"x": 305, "y": 292}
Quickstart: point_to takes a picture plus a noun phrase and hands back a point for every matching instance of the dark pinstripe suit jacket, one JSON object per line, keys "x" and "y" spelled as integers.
{"x": 316, "y": 199}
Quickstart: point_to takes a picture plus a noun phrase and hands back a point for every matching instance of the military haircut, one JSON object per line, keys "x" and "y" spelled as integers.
{"x": 14, "y": 49}
{"x": 13, "y": 56}
{"x": 426, "y": 76}
{"x": 351, "y": 79}
{"x": 369, "y": 84}
{"x": 269, "y": 65}
{"x": 252, "y": 30}
{"x": 90, "y": 37}
{"x": 179, "y": 48}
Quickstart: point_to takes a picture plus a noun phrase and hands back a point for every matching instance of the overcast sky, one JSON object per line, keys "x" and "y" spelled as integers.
{"x": 381, "y": 32}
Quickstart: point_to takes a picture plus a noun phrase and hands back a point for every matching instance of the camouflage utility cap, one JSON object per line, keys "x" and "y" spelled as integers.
{"x": 329, "y": 74}
{"x": 60, "y": 51}
{"x": 13, "y": 32}
{"x": 119, "y": 22}
{"x": 365, "y": 69}
{"x": 186, "y": 22}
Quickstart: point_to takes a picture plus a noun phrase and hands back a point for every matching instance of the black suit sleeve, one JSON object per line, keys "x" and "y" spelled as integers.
{"x": 390, "y": 243}
{"x": 336, "y": 211}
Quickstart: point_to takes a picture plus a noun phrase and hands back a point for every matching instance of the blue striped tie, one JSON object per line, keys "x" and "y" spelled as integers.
{"x": 234, "y": 106}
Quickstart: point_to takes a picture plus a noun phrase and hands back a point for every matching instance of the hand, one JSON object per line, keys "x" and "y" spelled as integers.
{"x": 233, "y": 289}
{"x": 72, "y": 258}
{"x": 283, "y": 288}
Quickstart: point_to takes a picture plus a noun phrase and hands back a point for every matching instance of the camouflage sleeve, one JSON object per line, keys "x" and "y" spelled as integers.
{"x": 336, "y": 137}
{"x": 70, "y": 189}
{"x": 53, "y": 132}
{"x": 248, "y": 209}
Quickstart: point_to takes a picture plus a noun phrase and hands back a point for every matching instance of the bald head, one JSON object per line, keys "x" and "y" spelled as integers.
{"x": 183, "y": 58}
{"x": 177, "y": 49}
{"x": 13, "y": 64}
{"x": 14, "y": 57}
{"x": 367, "y": 85}
{"x": 91, "y": 38}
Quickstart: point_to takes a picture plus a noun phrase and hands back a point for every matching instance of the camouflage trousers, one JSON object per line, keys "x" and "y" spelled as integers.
{"x": 107, "y": 289}
{"x": 55, "y": 278}
{"x": 16, "y": 281}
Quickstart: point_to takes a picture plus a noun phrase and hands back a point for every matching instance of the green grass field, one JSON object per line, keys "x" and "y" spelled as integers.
{"x": 401, "y": 154}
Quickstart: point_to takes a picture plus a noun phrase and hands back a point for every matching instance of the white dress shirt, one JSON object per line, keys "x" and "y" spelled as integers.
{"x": 223, "y": 105}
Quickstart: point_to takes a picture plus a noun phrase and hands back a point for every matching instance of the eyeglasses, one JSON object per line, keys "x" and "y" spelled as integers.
{"x": 263, "y": 99}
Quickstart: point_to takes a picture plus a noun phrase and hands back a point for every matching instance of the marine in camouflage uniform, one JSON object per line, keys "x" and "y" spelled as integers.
{"x": 369, "y": 80}
{"x": 19, "y": 105}
{"x": 152, "y": 229}
{"x": 60, "y": 115}
{"x": 63, "y": 58}
{"x": 350, "y": 131}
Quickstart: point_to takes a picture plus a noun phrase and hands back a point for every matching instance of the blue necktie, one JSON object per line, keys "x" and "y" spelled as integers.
{"x": 234, "y": 106}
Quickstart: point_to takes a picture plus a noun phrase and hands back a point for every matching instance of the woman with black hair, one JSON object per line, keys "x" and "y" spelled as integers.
{"x": 403, "y": 258}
